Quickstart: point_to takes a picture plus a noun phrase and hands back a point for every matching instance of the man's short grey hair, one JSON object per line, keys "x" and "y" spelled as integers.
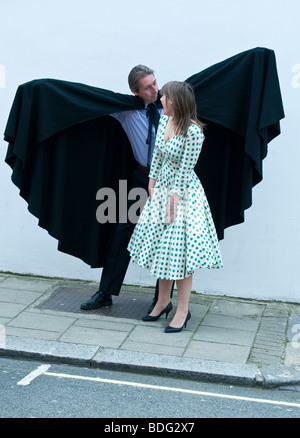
{"x": 138, "y": 72}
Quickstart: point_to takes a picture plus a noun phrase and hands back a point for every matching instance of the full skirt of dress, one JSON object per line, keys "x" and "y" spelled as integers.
{"x": 175, "y": 251}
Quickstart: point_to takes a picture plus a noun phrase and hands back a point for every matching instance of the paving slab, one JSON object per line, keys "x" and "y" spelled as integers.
{"x": 32, "y": 284}
{"x": 236, "y": 323}
{"x": 11, "y": 310}
{"x": 237, "y": 308}
{"x": 224, "y": 335}
{"x": 33, "y": 320}
{"x": 155, "y": 335}
{"x": 105, "y": 324}
{"x": 31, "y": 333}
{"x": 292, "y": 354}
{"x": 9, "y": 295}
{"x": 217, "y": 352}
{"x": 92, "y": 336}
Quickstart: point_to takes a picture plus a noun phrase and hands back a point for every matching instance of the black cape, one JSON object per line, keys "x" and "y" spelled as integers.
{"x": 63, "y": 147}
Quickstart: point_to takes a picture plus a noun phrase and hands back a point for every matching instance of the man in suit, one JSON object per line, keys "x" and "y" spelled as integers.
{"x": 140, "y": 127}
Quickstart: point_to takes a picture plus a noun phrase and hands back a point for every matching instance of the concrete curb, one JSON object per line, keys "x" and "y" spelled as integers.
{"x": 106, "y": 358}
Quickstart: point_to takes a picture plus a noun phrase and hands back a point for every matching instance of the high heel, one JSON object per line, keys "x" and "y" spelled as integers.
{"x": 166, "y": 311}
{"x": 171, "y": 329}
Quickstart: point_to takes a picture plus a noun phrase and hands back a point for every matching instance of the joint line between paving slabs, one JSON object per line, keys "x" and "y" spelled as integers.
{"x": 194, "y": 332}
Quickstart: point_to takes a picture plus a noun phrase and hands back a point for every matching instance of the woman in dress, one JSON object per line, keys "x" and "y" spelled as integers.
{"x": 175, "y": 234}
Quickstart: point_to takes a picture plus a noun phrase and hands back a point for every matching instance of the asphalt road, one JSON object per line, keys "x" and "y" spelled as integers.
{"x": 31, "y": 389}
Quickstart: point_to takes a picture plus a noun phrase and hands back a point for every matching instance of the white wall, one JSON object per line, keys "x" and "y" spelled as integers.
{"x": 97, "y": 43}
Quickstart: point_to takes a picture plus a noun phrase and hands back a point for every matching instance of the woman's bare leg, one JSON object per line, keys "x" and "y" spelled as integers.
{"x": 184, "y": 288}
{"x": 165, "y": 287}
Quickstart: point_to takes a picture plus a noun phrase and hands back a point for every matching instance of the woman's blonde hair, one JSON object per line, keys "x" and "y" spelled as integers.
{"x": 184, "y": 105}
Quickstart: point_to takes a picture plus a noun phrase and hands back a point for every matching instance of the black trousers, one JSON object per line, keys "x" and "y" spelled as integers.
{"x": 118, "y": 258}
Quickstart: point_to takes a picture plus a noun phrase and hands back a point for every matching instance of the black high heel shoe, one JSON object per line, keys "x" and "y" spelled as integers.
{"x": 171, "y": 329}
{"x": 166, "y": 311}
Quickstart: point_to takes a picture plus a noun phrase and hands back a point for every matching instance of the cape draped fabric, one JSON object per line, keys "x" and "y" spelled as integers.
{"x": 63, "y": 147}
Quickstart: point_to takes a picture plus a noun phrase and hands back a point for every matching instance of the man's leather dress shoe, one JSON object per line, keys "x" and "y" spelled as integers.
{"x": 99, "y": 299}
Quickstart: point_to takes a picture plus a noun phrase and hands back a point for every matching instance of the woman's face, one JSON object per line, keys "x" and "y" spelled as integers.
{"x": 168, "y": 105}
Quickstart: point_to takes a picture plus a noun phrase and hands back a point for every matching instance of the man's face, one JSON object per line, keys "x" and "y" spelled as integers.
{"x": 148, "y": 89}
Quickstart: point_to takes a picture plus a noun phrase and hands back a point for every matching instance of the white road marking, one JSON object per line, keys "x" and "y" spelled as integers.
{"x": 166, "y": 388}
{"x": 33, "y": 375}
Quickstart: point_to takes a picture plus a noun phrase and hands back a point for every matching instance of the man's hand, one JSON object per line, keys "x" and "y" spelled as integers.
{"x": 151, "y": 186}
{"x": 172, "y": 208}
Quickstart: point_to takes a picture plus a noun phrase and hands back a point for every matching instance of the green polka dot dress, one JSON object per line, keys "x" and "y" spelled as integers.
{"x": 175, "y": 251}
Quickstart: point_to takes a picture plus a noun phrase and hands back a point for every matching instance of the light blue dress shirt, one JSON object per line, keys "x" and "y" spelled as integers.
{"x": 135, "y": 123}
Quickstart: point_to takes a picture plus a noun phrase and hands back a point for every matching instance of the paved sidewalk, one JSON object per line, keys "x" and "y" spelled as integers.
{"x": 227, "y": 339}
